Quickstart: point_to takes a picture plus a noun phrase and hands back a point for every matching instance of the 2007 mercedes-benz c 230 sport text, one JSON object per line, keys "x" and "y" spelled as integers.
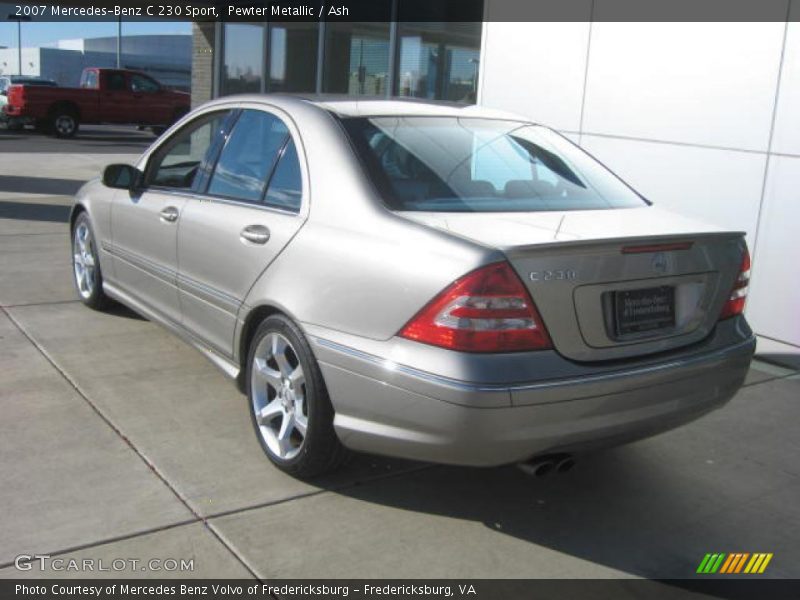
{"x": 428, "y": 281}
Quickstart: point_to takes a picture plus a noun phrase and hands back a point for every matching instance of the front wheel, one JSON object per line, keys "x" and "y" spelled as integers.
{"x": 86, "y": 266}
{"x": 289, "y": 405}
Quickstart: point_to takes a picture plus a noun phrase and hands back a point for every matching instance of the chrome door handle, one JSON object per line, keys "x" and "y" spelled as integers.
{"x": 169, "y": 214}
{"x": 255, "y": 234}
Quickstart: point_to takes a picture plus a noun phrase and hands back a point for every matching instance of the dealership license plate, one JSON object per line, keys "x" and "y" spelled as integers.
{"x": 647, "y": 309}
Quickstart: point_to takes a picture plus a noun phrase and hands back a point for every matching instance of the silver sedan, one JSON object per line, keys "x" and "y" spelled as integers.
{"x": 442, "y": 283}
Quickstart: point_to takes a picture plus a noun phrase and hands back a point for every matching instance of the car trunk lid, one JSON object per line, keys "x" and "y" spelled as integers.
{"x": 604, "y": 289}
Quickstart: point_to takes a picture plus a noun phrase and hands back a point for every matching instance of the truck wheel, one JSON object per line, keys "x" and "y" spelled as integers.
{"x": 64, "y": 123}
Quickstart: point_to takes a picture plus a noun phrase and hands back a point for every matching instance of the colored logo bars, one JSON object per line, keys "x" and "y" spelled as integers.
{"x": 741, "y": 562}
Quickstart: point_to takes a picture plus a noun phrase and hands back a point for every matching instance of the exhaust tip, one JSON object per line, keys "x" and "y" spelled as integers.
{"x": 565, "y": 465}
{"x": 538, "y": 468}
{"x": 542, "y": 466}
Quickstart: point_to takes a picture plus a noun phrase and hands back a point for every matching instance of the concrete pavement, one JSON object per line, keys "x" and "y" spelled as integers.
{"x": 118, "y": 441}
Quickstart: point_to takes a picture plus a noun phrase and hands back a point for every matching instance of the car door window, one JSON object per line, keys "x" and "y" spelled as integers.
{"x": 285, "y": 188}
{"x": 143, "y": 84}
{"x": 116, "y": 82}
{"x": 248, "y": 156}
{"x": 178, "y": 162}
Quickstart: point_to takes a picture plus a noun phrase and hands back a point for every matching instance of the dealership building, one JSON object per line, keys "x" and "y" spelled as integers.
{"x": 165, "y": 57}
{"x": 702, "y": 118}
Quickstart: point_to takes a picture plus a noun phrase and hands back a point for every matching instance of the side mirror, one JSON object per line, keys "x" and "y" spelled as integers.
{"x": 122, "y": 177}
{"x": 3, "y": 92}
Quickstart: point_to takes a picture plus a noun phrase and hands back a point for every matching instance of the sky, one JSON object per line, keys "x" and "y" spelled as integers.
{"x": 37, "y": 34}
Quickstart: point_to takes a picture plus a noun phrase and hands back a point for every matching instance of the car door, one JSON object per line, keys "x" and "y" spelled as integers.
{"x": 117, "y": 104}
{"x": 253, "y": 207}
{"x": 151, "y": 104}
{"x": 144, "y": 225}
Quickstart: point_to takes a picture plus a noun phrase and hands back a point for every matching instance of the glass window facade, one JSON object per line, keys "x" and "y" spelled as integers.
{"x": 293, "y": 57}
{"x": 243, "y": 58}
{"x": 356, "y": 59}
{"x": 439, "y": 61}
{"x": 383, "y": 57}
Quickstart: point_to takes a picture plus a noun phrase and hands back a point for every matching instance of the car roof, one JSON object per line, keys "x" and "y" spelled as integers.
{"x": 365, "y": 106}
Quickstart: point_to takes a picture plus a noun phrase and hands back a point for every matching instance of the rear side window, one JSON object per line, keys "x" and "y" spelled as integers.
{"x": 458, "y": 164}
{"x": 249, "y": 156}
{"x": 286, "y": 185}
{"x": 89, "y": 80}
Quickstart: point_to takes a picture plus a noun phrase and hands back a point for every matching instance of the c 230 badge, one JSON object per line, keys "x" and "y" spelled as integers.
{"x": 556, "y": 275}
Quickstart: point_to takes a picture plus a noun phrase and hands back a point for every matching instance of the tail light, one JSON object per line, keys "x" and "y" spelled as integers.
{"x": 16, "y": 95}
{"x": 735, "y": 304}
{"x": 487, "y": 310}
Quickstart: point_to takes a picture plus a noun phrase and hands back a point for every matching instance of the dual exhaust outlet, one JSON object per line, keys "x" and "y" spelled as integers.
{"x": 541, "y": 466}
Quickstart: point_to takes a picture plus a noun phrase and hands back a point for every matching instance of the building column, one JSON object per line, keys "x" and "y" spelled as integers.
{"x": 203, "y": 42}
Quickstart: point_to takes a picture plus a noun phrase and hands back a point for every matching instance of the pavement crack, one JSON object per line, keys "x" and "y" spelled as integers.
{"x": 126, "y": 440}
{"x": 111, "y": 540}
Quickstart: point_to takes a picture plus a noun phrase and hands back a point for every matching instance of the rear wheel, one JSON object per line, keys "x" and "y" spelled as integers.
{"x": 64, "y": 123}
{"x": 288, "y": 402}
{"x": 86, "y": 266}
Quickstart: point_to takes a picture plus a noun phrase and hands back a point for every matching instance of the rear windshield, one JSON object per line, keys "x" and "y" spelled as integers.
{"x": 455, "y": 164}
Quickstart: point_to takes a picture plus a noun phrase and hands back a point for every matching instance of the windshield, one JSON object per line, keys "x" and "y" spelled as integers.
{"x": 454, "y": 164}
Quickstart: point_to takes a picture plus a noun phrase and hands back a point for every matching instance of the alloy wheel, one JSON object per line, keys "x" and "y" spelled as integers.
{"x": 84, "y": 260}
{"x": 278, "y": 391}
{"x": 65, "y": 125}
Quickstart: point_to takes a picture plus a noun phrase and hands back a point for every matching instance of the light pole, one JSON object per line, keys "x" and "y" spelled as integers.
{"x": 119, "y": 43}
{"x": 19, "y": 21}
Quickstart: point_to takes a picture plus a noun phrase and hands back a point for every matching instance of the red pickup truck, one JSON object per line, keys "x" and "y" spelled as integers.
{"x": 104, "y": 96}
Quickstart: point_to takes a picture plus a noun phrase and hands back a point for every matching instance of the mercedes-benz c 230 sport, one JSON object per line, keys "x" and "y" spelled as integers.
{"x": 436, "y": 282}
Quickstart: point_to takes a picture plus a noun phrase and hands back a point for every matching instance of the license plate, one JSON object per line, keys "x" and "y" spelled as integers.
{"x": 647, "y": 309}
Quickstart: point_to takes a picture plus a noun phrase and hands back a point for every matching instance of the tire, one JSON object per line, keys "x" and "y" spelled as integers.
{"x": 64, "y": 123}
{"x": 288, "y": 402}
{"x": 87, "y": 277}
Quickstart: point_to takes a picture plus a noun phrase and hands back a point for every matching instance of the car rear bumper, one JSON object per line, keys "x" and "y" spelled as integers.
{"x": 387, "y": 408}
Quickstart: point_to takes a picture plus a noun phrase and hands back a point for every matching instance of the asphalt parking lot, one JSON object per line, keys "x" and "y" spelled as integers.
{"x": 93, "y": 139}
{"x": 119, "y": 441}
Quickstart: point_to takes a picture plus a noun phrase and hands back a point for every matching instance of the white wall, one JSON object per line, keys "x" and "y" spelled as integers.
{"x": 9, "y": 61}
{"x": 702, "y": 118}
